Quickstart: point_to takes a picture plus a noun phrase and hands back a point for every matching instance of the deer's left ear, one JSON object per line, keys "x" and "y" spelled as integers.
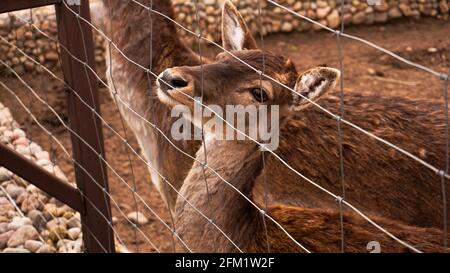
{"x": 312, "y": 84}
{"x": 235, "y": 33}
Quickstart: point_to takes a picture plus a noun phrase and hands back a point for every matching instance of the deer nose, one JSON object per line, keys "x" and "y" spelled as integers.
{"x": 168, "y": 80}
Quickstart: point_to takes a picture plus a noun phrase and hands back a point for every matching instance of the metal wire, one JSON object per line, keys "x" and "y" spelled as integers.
{"x": 276, "y": 156}
{"x": 445, "y": 174}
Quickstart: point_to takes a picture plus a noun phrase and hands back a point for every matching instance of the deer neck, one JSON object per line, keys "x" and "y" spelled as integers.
{"x": 151, "y": 41}
{"x": 237, "y": 162}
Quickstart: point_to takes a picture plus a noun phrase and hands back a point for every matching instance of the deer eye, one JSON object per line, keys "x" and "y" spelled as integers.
{"x": 259, "y": 94}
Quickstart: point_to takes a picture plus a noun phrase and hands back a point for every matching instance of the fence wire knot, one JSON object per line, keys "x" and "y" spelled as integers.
{"x": 444, "y": 77}
{"x": 441, "y": 173}
{"x": 339, "y": 200}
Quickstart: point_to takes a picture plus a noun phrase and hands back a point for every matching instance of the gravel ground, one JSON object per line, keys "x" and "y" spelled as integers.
{"x": 30, "y": 220}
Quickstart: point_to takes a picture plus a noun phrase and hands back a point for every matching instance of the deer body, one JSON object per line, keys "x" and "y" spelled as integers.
{"x": 378, "y": 179}
{"x": 316, "y": 229}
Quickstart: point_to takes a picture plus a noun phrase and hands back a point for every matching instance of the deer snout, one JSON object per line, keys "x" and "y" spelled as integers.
{"x": 168, "y": 80}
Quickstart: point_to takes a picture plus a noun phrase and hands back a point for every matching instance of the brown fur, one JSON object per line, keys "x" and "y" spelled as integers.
{"x": 378, "y": 179}
{"x": 130, "y": 28}
{"x": 316, "y": 229}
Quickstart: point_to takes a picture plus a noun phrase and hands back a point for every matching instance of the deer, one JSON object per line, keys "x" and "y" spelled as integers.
{"x": 239, "y": 162}
{"x": 378, "y": 180}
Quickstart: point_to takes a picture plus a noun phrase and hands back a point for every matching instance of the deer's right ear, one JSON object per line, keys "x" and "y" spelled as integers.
{"x": 312, "y": 84}
{"x": 235, "y": 33}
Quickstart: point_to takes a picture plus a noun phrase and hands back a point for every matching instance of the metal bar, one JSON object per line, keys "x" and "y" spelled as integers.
{"x": 13, "y": 5}
{"x": 37, "y": 176}
{"x": 84, "y": 123}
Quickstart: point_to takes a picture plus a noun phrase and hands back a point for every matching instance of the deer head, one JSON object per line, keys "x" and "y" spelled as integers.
{"x": 227, "y": 81}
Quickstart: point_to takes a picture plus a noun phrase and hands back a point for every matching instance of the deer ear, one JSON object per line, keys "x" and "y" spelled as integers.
{"x": 235, "y": 33}
{"x": 312, "y": 84}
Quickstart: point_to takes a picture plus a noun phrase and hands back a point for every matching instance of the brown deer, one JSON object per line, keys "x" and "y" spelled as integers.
{"x": 378, "y": 179}
{"x": 240, "y": 161}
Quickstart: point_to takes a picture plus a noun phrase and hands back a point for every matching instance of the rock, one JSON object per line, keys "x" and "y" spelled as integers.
{"x": 432, "y": 50}
{"x": 33, "y": 245}
{"x": 16, "y": 250}
{"x": 4, "y": 237}
{"x": 3, "y": 227}
{"x": 68, "y": 246}
{"x": 371, "y": 71}
{"x": 358, "y": 18}
{"x": 51, "y": 56}
{"x": 74, "y": 233}
{"x": 73, "y": 222}
{"x": 406, "y": 9}
{"x": 57, "y": 230}
{"x": 323, "y": 12}
{"x": 37, "y": 218}
{"x": 380, "y": 17}
{"x": 5, "y": 209}
{"x": 18, "y": 222}
{"x": 287, "y": 27}
{"x": 34, "y": 201}
{"x": 46, "y": 249}
{"x": 21, "y": 198}
{"x": 394, "y": 13}
{"x": 443, "y": 7}
{"x": 5, "y": 175}
{"x": 382, "y": 7}
{"x": 333, "y": 19}
{"x": 19, "y": 133}
{"x": 14, "y": 191}
{"x": 21, "y": 235}
{"x": 137, "y": 218}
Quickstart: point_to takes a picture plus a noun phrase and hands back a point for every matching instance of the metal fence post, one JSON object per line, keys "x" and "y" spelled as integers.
{"x": 96, "y": 216}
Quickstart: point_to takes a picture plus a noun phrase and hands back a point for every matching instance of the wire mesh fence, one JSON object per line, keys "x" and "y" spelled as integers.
{"x": 93, "y": 169}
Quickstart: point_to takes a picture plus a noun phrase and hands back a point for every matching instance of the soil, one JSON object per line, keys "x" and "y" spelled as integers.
{"x": 366, "y": 70}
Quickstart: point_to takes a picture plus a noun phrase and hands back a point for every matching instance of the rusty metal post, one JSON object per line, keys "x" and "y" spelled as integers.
{"x": 96, "y": 216}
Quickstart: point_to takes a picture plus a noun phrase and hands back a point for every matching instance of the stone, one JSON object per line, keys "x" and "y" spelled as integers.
{"x": 46, "y": 249}
{"x": 432, "y": 50}
{"x": 73, "y": 222}
{"x": 323, "y": 12}
{"x": 14, "y": 191}
{"x": 287, "y": 27}
{"x": 33, "y": 202}
{"x": 333, "y": 19}
{"x": 443, "y": 7}
{"x": 18, "y": 222}
{"x": 19, "y": 133}
{"x": 394, "y": 13}
{"x": 21, "y": 235}
{"x": 358, "y": 18}
{"x": 382, "y": 7}
{"x": 137, "y": 218}
{"x": 405, "y": 9}
{"x": 33, "y": 245}
{"x": 37, "y": 218}
{"x": 5, "y": 209}
{"x": 5, "y": 175}
{"x": 3, "y": 227}
{"x": 74, "y": 233}
{"x": 16, "y": 250}
{"x": 4, "y": 238}
{"x": 51, "y": 56}
{"x": 380, "y": 17}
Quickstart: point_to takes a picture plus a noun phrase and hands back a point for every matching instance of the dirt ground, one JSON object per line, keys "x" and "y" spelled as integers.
{"x": 366, "y": 70}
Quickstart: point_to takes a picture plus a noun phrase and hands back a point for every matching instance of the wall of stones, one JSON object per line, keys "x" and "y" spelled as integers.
{"x": 273, "y": 20}
{"x": 327, "y": 12}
